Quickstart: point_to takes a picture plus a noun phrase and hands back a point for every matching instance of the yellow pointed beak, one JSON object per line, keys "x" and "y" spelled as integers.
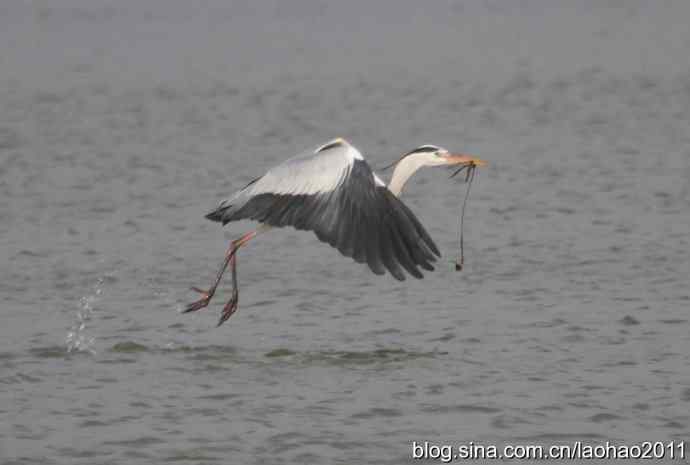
{"x": 459, "y": 158}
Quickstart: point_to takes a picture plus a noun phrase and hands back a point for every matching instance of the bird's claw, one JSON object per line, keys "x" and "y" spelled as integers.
{"x": 198, "y": 305}
{"x": 229, "y": 309}
{"x": 201, "y": 303}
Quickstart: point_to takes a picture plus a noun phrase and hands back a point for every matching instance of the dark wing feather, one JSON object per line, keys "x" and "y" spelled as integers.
{"x": 361, "y": 219}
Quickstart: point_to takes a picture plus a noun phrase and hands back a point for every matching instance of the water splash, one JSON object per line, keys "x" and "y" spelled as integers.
{"x": 78, "y": 338}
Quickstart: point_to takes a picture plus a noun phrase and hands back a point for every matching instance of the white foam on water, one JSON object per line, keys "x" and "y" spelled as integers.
{"x": 78, "y": 338}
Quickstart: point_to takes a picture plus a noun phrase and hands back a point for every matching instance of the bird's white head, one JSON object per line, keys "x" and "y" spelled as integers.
{"x": 426, "y": 155}
{"x": 432, "y": 155}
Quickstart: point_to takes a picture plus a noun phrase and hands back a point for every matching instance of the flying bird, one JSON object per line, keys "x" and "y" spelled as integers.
{"x": 333, "y": 192}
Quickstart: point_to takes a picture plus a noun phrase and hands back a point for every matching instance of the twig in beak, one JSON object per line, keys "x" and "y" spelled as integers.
{"x": 469, "y": 177}
{"x": 459, "y": 171}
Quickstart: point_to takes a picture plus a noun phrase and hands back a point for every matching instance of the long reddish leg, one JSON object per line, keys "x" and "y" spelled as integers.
{"x": 207, "y": 295}
{"x": 231, "y": 306}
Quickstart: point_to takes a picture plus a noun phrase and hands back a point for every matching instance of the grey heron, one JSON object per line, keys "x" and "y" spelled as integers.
{"x": 333, "y": 192}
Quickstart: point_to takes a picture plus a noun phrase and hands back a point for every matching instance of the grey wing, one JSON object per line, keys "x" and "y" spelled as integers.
{"x": 334, "y": 193}
{"x": 310, "y": 173}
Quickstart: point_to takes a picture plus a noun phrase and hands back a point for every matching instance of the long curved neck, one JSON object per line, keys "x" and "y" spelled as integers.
{"x": 403, "y": 170}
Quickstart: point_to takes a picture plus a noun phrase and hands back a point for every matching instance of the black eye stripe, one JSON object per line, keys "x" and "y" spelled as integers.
{"x": 425, "y": 149}
{"x": 422, "y": 149}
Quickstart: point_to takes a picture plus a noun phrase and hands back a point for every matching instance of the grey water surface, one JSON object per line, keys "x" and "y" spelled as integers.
{"x": 122, "y": 123}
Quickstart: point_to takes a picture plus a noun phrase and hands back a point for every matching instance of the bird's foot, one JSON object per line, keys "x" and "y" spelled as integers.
{"x": 230, "y": 308}
{"x": 201, "y": 303}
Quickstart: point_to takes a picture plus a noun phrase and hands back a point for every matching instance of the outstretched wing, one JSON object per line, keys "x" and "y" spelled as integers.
{"x": 333, "y": 192}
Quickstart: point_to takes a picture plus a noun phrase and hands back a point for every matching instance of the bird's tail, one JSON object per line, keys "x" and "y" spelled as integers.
{"x": 219, "y": 214}
{"x": 226, "y": 209}
{"x": 215, "y": 215}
